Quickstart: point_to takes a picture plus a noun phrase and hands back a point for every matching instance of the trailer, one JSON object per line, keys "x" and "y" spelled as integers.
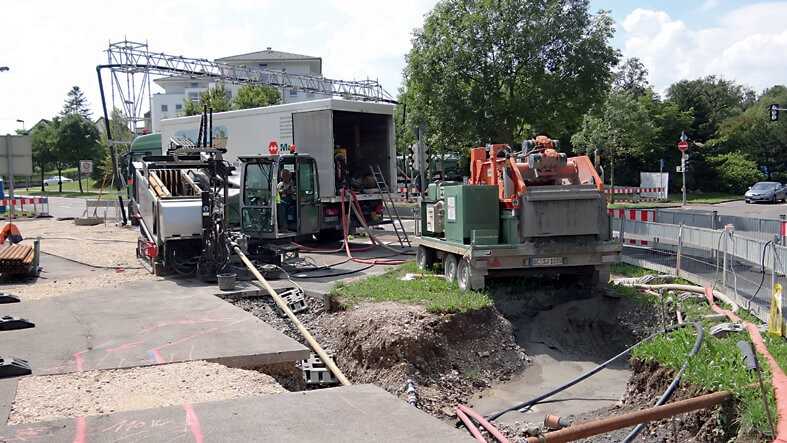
{"x": 532, "y": 212}
{"x": 347, "y": 139}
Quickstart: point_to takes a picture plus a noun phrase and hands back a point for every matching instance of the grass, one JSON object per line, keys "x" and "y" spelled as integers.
{"x": 71, "y": 189}
{"x": 709, "y": 198}
{"x": 718, "y": 365}
{"x": 434, "y": 293}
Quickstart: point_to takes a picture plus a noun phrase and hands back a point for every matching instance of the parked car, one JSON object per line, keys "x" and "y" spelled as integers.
{"x": 766, "y": 192}
{"x": 53, "y": 180}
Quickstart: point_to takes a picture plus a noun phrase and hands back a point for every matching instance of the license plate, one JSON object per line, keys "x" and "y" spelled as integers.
{"x": 546, "y": 261}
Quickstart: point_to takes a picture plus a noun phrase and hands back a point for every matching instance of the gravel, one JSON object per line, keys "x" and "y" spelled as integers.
{"x": 87, "y": 393}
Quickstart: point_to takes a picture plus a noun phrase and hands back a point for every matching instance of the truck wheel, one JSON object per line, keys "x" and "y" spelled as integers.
{"x": 330, "y": 235}
{"x": 424, "y": 258}
{"x": 468, "y": 278}
{"x": 450, "y": 263}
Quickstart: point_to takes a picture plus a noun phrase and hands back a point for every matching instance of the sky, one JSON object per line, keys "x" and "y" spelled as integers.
{"x": 52, "y": 45}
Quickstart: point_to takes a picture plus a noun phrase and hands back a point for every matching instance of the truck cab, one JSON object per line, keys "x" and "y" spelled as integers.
{"x": 279, "y": 196}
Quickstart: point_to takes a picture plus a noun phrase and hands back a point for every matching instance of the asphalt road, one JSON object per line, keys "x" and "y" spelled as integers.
{"x": 741, "y": 209}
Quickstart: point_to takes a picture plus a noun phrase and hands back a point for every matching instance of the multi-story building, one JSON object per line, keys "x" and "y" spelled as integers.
{"x": 177, "y": 89}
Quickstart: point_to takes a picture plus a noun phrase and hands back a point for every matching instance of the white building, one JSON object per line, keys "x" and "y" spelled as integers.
{"x": 179, "y": 88}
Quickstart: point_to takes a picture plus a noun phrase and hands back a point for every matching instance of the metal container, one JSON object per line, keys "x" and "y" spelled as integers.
{"x": 227, "y": 282}
{"x": 468, "y": 208}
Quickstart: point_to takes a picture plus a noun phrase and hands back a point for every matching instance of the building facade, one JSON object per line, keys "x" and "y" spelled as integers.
{"x": 178, "y": 89}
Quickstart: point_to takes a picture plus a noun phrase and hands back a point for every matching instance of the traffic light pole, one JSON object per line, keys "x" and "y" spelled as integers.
{"x": 683, "y": 170}
{"x": 421, "y": 160}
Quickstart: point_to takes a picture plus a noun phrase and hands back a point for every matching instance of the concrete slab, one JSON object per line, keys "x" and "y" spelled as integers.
{"x": 143, "y": 323}
{"x": 345, "y": 414}
{"x": 7, "y": 394}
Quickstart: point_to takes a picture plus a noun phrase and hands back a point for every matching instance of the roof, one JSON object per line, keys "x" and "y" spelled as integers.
{"x": 148, "y": 142}
{"x": 267, "y": 54}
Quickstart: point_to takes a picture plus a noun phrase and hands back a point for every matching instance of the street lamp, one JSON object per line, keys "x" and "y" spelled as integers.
{"x": 3, "y": 68}
{"x": 22, "y": 122}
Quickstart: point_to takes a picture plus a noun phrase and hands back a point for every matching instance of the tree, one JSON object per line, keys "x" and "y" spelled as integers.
{"x": 711, "y": 101}
{"x": 631, "y": 77}
{"x": 217, "y": 97}
{"x": 118, "y": 124}
{"x": 735, "y": 172}
{"x": 499, "y": 70}
{"x": 44, "y": 137}
{"x": 76, "y": 103}
{"x": 255, "y": 96}
{"x": 76, "y": 139}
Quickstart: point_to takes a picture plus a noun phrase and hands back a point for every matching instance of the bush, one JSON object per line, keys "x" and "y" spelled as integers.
{"x": 736, "y": 172}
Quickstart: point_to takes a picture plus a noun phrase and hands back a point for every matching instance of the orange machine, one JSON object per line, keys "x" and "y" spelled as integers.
{"x": 541, "y": 165}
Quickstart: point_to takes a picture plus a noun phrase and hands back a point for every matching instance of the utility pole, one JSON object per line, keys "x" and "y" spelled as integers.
{"x": 419, "y": 135}
{"x": 683, "y": 145}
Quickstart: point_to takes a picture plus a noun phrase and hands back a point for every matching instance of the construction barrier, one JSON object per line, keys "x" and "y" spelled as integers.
{"x": 26, "y": 207}
{"x": 634, "y": 194}
{"x": 643, "y": 215}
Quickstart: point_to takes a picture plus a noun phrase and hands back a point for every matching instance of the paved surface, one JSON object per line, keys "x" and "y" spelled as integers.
{"x": 141, "y": 324}
{"x": 741, "y": 209}
{"x": 345, "y": 414}
{"x": 7, "y": 394}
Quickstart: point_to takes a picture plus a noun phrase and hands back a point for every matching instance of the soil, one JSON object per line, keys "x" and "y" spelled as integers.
{"x": 41, "y": 398}
{"x": 448, "y": 356}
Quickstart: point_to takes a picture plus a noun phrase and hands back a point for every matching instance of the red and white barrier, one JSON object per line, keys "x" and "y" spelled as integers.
{"x": 643, "y": 215}
{"x": 633, "y": 193}
{"x": 40, "y": 205}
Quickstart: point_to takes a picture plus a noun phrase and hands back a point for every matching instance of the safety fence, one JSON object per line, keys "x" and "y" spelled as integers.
{"x": 25, "y": 207}
{"x": 754, "y": 227}
{"x": 634, "y": 194}
{"x": 744, "y": 267}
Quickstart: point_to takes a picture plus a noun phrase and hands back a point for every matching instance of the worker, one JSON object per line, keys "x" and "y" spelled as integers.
{"x": 11, "y": 233}
{"x": 285, "y": 199}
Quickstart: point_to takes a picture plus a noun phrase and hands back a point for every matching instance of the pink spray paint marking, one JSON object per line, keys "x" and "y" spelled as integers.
{"x": 80, "y": 434}
{"x": 192, "y": 420}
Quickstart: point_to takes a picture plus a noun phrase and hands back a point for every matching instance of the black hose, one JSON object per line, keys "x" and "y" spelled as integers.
{"x": 675, "y": 381}
{"x": 592, "y": 372}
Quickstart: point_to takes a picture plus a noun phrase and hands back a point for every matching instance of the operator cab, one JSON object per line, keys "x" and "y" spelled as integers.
{"x": 280, "y": 196}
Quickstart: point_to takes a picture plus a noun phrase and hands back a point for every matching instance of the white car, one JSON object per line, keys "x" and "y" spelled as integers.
{"x": 53, "y": 180}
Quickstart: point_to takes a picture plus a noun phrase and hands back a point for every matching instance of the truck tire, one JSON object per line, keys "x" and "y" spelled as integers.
{"x": 450, "y": 265}
{"x": 330, "y": 235}
{"x": 468, "y": 278}
{"x": 424, "y": 258}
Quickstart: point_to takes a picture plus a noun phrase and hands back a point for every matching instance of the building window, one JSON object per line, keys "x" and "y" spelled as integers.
{"x": 164, "y": 108}
{"x": 263, "y": 65}
{"x": 178, "y": 107}
{"x": 194, "y": 85}
{"x": 194, "y": 96}
{"x": 293, "y": 92}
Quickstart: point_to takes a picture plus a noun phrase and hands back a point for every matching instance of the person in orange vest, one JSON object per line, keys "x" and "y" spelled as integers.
{"x": 11, "y": 233}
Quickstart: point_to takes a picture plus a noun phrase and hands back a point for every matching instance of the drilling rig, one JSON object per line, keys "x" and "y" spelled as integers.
{"x": 528, "y": 212}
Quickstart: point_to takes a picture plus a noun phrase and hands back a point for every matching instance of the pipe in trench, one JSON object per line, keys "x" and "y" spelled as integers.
{"x": 608, "y": 424}
{"x": 301, "y": 329}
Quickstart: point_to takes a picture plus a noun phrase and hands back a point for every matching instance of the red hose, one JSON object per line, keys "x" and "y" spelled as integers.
{"x": 346, "y": 232}
{"x": 470, "y": 426}
{"x": 778, "y": 378}
{"x": 483, "y": 422}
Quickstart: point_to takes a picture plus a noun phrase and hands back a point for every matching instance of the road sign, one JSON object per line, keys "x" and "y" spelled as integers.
{"x": 683, "y": 136}
{"x": 16, "y": 152}
{"x": 774, "y": 109}
{"x": 678, "y": 169}
{"x": 86, "y": 167}
{"x": 683, "y": 146}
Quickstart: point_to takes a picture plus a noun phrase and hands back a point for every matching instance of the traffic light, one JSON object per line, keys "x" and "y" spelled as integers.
{"x": 774, "y": 109}
{"x": 410, "y": 157}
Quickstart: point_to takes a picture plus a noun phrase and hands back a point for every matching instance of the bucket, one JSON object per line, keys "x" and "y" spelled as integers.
{"x": 227, "y": 281}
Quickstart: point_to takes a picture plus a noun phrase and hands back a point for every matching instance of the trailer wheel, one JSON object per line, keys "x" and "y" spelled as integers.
{"x": 424, "y": 257}
{"x": 450, "y": 264}
{"x": 468, "y": 278}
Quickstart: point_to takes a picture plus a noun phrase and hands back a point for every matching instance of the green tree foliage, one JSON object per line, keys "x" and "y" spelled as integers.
{"x": 498, "y": 70}
{"x": 734, "y": 172}
{"x": 76, "y": 103}
{"x": 255, "y": 96}
{"x": 711, "y": 100}
{"x": 217, "y": 97}
{"x": 631, "y": 77}
{"x": 76, "y": 139}
{"x": 44, "y": 137}
{"x": 118, "y": 125}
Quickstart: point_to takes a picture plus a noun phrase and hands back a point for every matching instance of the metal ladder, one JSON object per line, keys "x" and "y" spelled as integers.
{"x": 389, "y": 206}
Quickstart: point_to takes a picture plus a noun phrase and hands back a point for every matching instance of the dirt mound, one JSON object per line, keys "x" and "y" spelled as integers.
{"x": 649, "y": 381}
{"x": 448, "y": 356}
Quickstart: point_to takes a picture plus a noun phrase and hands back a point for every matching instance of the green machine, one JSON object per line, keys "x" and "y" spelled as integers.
{"x": 472, "y": 214}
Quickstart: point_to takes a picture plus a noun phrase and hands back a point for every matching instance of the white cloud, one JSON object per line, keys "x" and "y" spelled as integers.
{"x": 51, "y": 45}
{"x": 708, "y": 5}
{"x": 747, "y": 45}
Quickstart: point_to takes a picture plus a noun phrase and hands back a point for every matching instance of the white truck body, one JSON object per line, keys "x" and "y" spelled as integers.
{"x": 365, "y": 130}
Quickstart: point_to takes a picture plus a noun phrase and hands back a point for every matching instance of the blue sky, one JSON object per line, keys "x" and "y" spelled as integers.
{"x": 740, "y": 40}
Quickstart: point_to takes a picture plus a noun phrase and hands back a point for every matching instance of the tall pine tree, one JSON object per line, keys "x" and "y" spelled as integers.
{"x": 76, "y": 103}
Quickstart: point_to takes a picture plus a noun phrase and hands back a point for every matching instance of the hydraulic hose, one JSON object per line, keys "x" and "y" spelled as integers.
{"x": 591, "y": 372}
{"x": 675, "y": 381}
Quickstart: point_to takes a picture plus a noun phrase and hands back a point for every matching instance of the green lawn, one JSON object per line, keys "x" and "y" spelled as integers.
{"x": 718, "y": 365}
{"x": 436, "y": 294}
{"x": 71, "y": 189}
{"x": 709, "y": 198}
